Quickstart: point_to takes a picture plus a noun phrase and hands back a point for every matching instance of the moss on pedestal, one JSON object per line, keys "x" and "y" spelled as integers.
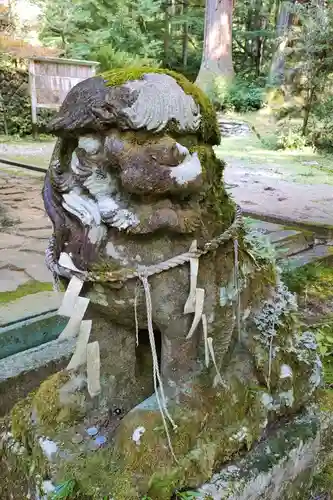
{"x": 213, "y": 425}
{"x": 49, "y": 412}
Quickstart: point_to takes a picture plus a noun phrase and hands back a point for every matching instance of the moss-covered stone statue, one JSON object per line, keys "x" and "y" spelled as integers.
{"x": 199, "y": 344}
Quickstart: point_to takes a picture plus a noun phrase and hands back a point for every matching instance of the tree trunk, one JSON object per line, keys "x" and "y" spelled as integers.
{"x": 259, "y": 40}
{"x": 307, "y": 110}
{"x": 267, "y": 16}
{"x": 217, "y": 49}
{"x": 277, "y": 70}
{"x": 167, "y": 34}
{"x": 185, "y": 36}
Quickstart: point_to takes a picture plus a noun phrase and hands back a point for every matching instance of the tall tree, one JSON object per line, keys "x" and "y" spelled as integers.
{"x": 217, "y": 47}
{"x": 277, "y": 70}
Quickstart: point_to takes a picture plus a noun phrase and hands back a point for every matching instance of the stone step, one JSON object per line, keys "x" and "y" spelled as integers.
{"x": 29, "y": 306}
{"x": 23, "y": 372}
{"x": 32, "y": 332}
{"x": 296, "y": 246}
{"x": 319, "y": 253}
{"x": 290, "y": 242}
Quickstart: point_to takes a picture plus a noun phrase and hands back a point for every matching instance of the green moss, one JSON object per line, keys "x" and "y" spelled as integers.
{"x": 51, "y": 412}
{"x": 21, "y": 420}
{"x": 314, "y": 280}
{"x": 322, "y": 486}
{"x": 32, "y": 460}
{"x": 209, "y": 129}
{"x": 45, "y": 400}
{"x": 217, "y": 199}
{"x": 102, "y": 269}
{"x": 325, "y": 400}
{"x": 206, "y": 436}
{"x": 28, "y": 288}
{"x": 98, "y": 475}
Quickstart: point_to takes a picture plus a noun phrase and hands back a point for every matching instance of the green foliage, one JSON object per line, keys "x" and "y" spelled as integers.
{"x": 121, "y": 33}
{"x": 110, "y": 58}
{"x": 322, "y": 137}
{"x": 15, "y": 108}
{"x": 310, "y": 58}
{"x": 81, "y": 27}
{"x": 167, "y": 32}
{"x": 291, "y": 138}
{"x": 240, "y": 95}
{"x": 321, "y": 132}
{"x": 254, "y": 35}
{"x": 14, "y": 103}
{"x": 65, "y": 491}
{"x": 297, "y": 279}
{"x": 324, "y": 337}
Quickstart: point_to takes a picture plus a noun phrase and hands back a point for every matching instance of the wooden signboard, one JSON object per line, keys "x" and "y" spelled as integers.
{"x": 50, "y": 80}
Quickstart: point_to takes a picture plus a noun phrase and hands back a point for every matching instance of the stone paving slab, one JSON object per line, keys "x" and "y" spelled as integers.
{"x": 40, "y": 234}
{"x": 34, "y": 246}
{"x": 10, "y": 280}
{"x": 32, "y": 264}
{"x": 38, "y": 223}
{"x": 10, "y": 241}
{"x": 318, "y": 253}
{"x": 23, "y": 243}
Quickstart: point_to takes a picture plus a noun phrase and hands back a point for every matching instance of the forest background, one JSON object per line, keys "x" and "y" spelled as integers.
{"x": 246, "y": 54}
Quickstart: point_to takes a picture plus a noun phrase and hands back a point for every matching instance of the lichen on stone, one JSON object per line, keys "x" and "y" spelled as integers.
{"x": 273, "y": 312}
{"x": 259, "y": 244}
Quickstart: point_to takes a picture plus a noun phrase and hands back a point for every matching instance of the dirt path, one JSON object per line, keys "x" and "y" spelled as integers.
{"x": 278, "y": 185}
{"x": 266, "y": 194}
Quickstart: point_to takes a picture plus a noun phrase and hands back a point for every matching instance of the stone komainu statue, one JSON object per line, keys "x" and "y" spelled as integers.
{"x": 139, "y": 211}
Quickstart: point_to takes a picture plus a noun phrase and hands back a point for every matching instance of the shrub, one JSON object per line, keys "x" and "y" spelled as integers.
{"x": 109, "y": 58}
{"x": 322, "y": 138}
{"x": 321, "y": 133}
{"x": 292, "y": 139}
{"x": 239, "y": 95}
{"x": 15, "y": 108}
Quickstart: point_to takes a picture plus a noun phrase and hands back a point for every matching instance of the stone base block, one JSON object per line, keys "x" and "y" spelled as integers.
{"x": 281, "y": 467}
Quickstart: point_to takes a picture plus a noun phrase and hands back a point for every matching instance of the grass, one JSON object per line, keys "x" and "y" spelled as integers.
{"x": 20, "y": 172}
{"x": 38, "y": 161}
{"x": 10, "y": 139}
{"x": 28, "y": 288}
{"x": 252, "y": 152}
{"x": 312, "y": 281}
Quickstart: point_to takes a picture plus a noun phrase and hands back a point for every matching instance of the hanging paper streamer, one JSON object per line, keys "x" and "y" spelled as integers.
{"x": 194, "y": 268}
{"x": 79, "y": 357}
